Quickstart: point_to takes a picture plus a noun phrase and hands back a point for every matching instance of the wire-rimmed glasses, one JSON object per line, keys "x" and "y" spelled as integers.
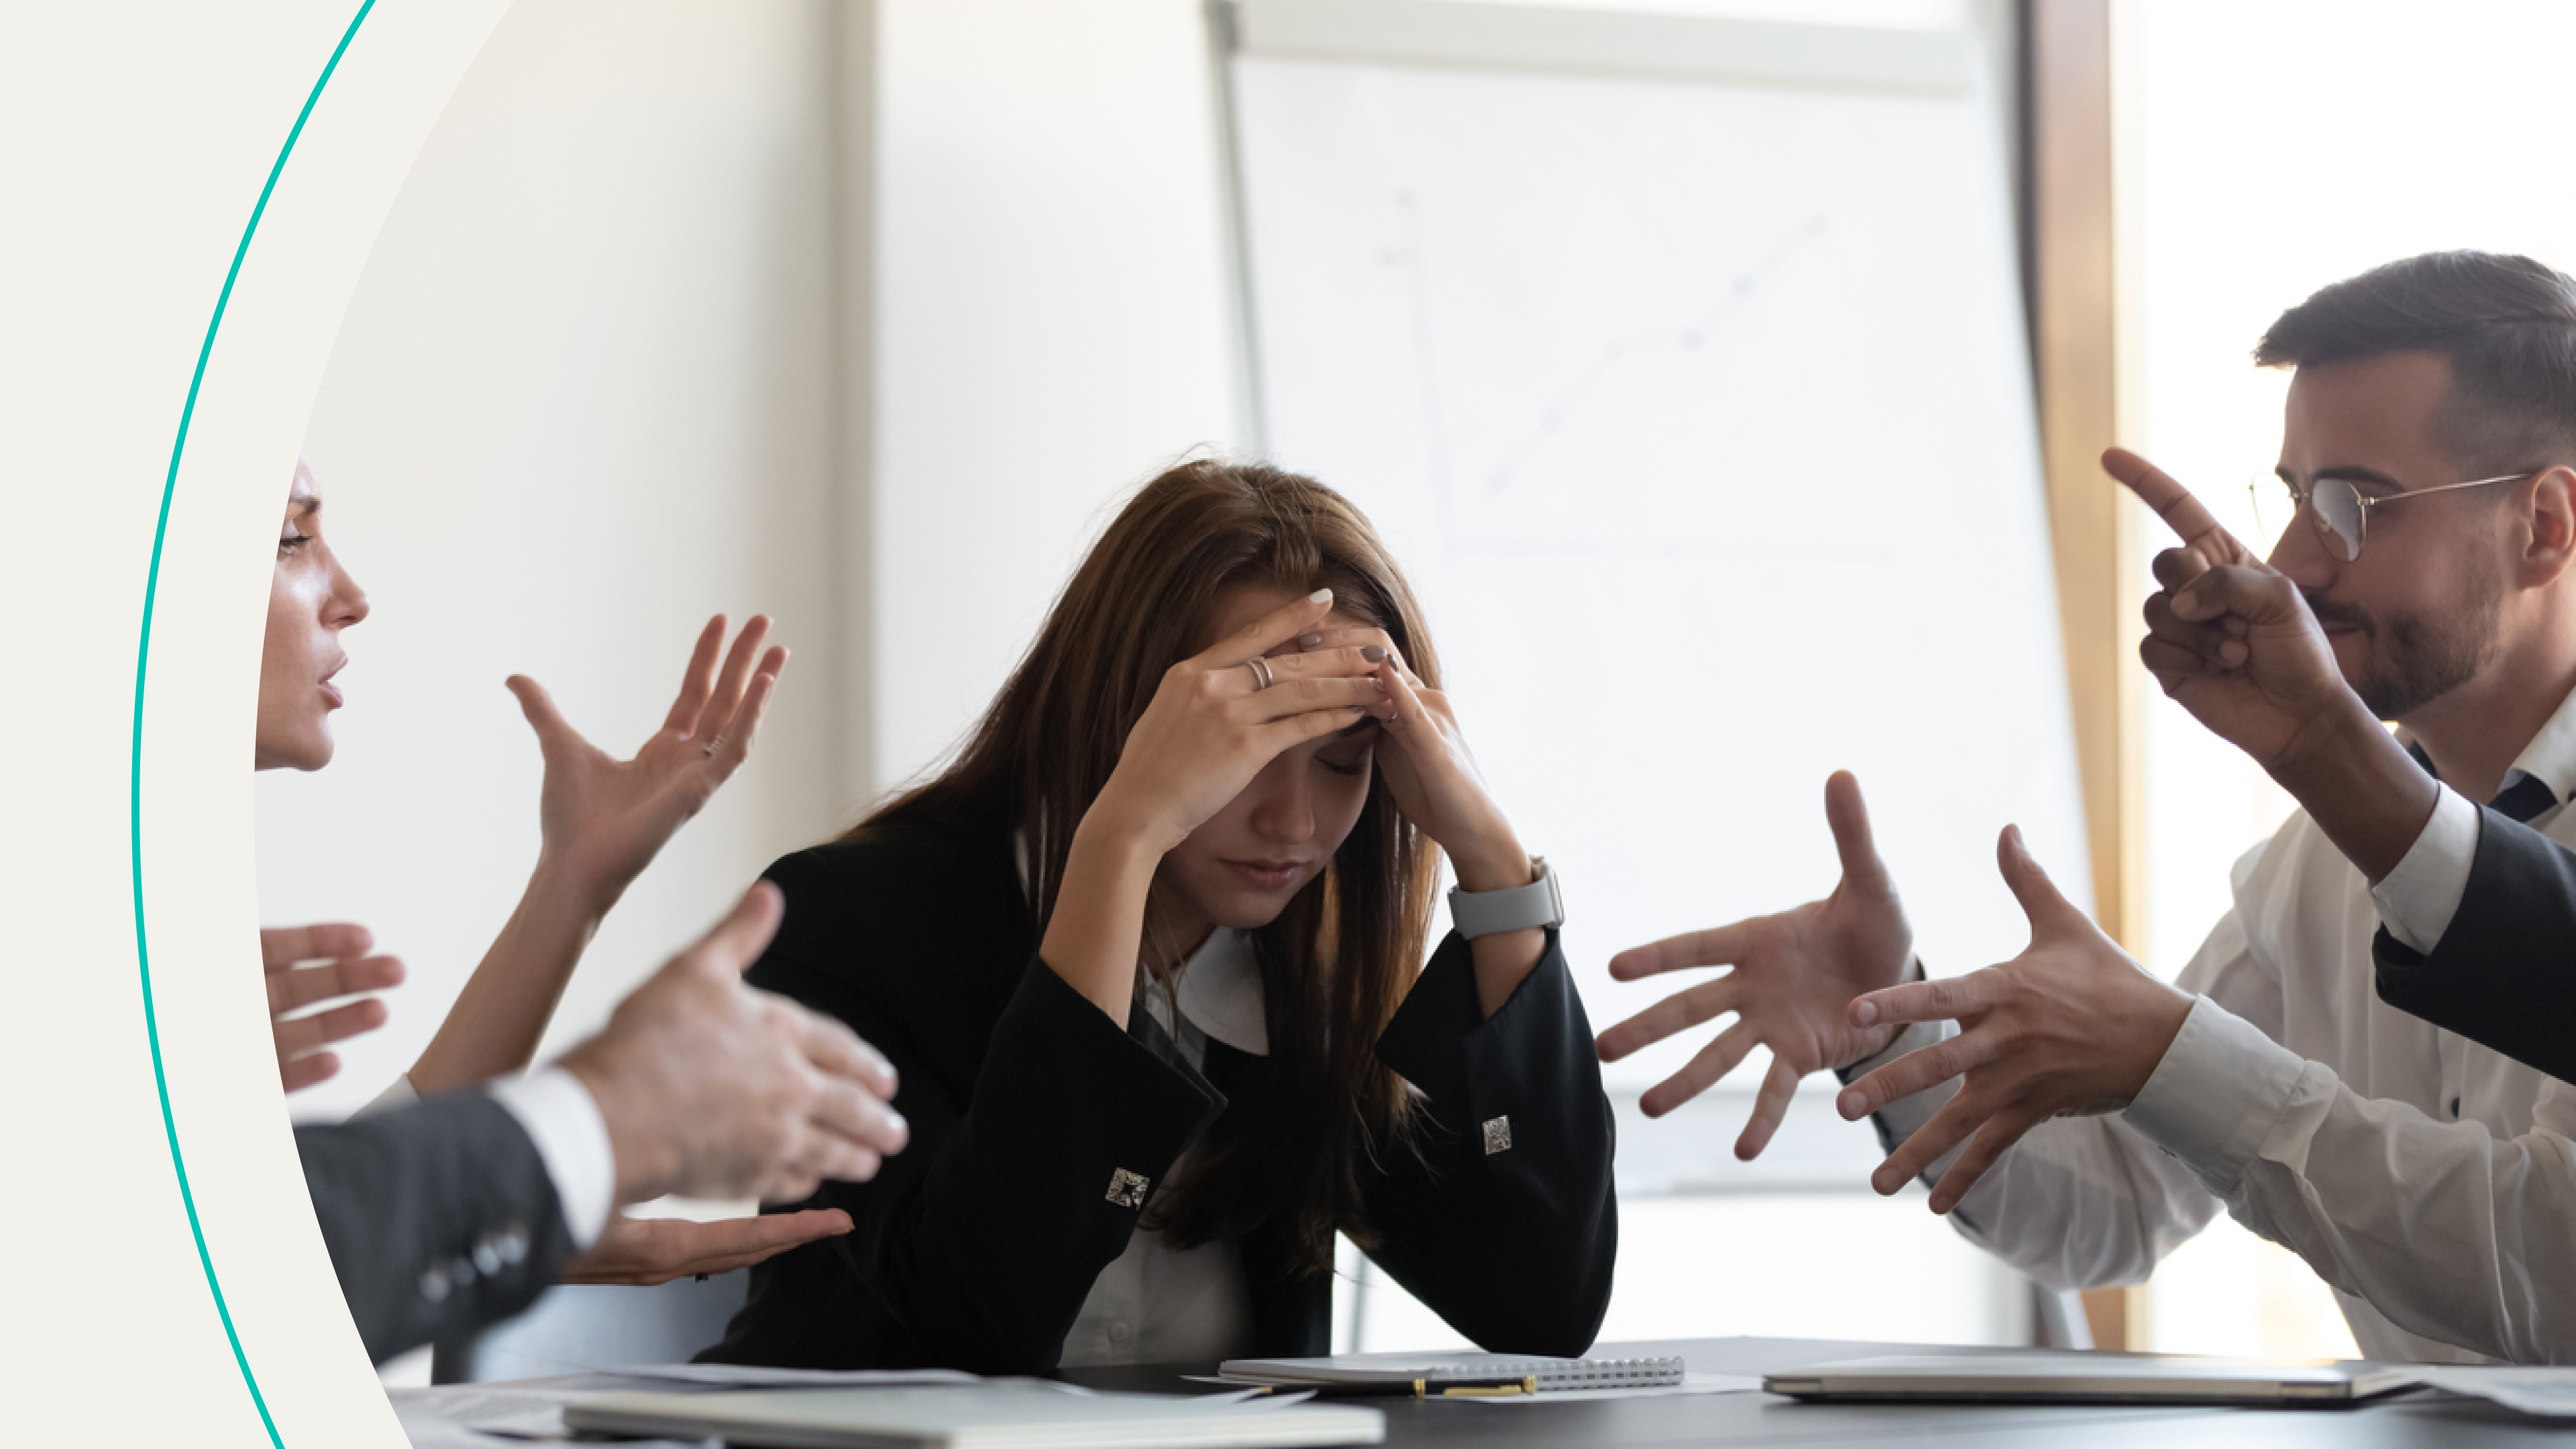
{"x": 2341, "y": 511}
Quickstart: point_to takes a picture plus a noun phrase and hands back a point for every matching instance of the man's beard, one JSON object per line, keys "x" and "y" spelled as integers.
{"x": 2430, "y": 652}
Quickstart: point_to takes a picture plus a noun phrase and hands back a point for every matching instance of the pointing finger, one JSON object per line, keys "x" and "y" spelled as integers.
{"x": 2183, "y": 513}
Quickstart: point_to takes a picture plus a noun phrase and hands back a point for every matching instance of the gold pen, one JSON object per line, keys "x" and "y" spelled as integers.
{"x": 1416, "y": 1389}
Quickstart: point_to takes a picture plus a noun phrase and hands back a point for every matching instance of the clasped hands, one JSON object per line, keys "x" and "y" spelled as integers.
{"x": 2070, "y": 1027}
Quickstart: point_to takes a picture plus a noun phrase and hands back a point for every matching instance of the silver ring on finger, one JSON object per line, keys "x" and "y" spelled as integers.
{"x": 715, "y": 744}
{"x": 1261, "y": 675}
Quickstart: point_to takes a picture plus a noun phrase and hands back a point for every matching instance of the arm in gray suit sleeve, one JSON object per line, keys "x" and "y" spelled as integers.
{"x": 439, "y": 1216}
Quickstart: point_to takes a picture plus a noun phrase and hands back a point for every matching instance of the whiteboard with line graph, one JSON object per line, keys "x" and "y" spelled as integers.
{"x": 1698, "y": 411}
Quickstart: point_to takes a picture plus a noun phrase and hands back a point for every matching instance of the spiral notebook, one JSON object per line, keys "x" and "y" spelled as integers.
{"x": 1557, "y": 1375}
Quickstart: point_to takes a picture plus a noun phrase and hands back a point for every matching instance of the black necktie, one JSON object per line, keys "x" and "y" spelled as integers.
{"x": 2518, "y": 802}
{"x": 2524, "y": 798}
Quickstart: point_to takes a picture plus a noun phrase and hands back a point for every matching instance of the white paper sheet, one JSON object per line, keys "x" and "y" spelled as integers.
{"x": 2542, "y": 1392}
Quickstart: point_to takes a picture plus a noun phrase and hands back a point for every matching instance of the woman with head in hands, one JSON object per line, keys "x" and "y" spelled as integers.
{"x": 1148, "y": 958}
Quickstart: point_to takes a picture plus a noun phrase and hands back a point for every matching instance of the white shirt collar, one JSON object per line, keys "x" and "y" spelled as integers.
{"x": 1220, "y": 993}
{"x": 1220, "y": 985}
{"x": 2551, "y": 755}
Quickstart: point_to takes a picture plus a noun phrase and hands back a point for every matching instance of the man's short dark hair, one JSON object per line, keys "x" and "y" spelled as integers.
{"x": 2507, "y": 324}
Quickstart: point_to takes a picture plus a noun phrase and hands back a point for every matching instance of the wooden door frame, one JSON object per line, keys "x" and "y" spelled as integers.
{"x": 2070, "y": 269}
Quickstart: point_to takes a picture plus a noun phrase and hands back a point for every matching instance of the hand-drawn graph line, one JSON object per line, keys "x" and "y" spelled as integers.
{"x": 1612, "y": 355}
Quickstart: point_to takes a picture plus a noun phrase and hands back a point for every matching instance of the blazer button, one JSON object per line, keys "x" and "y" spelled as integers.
{"x": 514, "y": 1244}
{"x": 1498, "y": 1136}
{"x": 433, "y": 1283}
{"x": 1127, "y": 1189}
{"x": 487, "y": 1254}
{"x": 460, "y": 1269}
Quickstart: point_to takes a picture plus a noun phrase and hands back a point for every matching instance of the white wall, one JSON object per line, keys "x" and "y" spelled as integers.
{"x": 581, "y": 400}
{"x": 597, "y": 384}
{"x": 1051, "y": 320}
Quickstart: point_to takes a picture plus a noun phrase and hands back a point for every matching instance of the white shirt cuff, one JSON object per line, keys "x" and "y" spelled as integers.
{"x": 572, "y": 1141}
{"x": 2417, "y": 900}
{"x": 2216, "y": 1095}
{"x": 400, "y": 1094}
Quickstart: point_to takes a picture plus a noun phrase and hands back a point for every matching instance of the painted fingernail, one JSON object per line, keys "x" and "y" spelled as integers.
{"x": 1373, "y": 654}
{"x": 1309, "y": 641}
{"x": 1320, "y": 596}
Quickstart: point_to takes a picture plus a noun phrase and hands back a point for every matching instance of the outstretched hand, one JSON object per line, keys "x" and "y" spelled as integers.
{"x": 1794, "y": 974}
{"x": 2070, "y": 1027}
{"x": 2228, "y": 636}
{"x": 713, "y": 1089}
{"x": 307, "y": 965}
{"x": 604, "y": 819}
{"x": 642, "y": 1252}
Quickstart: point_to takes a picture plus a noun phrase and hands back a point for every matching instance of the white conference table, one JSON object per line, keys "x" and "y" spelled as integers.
{"x": 2416, "y": 1421}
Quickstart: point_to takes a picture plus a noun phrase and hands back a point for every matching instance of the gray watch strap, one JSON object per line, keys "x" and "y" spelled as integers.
{"x": 1487, "y": 913}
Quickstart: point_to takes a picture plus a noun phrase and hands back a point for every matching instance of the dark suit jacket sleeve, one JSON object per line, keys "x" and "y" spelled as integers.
{"x": 984, "y": 1235}
{"x": 1513, "y": 1245}
{"x": 439, "y": 1216}
{"x": 2504, "y": 973}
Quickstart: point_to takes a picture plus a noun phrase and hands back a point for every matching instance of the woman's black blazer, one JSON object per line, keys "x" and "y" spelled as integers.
{"x": 975, "y": 1247}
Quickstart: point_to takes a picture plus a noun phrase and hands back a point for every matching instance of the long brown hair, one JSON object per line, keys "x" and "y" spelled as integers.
{"x": 1337, "y": 962}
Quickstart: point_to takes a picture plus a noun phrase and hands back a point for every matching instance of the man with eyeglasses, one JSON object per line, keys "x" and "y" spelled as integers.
{"x": 2082, "y": 1118}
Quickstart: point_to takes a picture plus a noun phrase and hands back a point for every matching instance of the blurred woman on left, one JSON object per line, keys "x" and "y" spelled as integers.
{"x": 602, "y": 820}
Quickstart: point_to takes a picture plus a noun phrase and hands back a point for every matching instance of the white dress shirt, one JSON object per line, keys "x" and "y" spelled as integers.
{"x": 559, "y": 1116}
{"x": 1157, "y": 1303}
{"x": 2428, "y": 1179}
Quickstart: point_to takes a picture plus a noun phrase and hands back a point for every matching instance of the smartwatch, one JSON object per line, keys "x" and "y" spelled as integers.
{"x": 1489, "y": 913}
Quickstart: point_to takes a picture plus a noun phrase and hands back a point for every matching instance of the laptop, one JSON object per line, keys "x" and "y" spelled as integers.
{"x": 2092, "y": 1378}
{"x": 996, "y": 1415}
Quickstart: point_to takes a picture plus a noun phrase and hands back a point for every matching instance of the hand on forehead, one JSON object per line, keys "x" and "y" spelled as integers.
{"x": 1338, "y": 627}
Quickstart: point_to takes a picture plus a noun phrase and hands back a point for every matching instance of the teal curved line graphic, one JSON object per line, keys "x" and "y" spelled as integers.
{"x": 142, "y": 660}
